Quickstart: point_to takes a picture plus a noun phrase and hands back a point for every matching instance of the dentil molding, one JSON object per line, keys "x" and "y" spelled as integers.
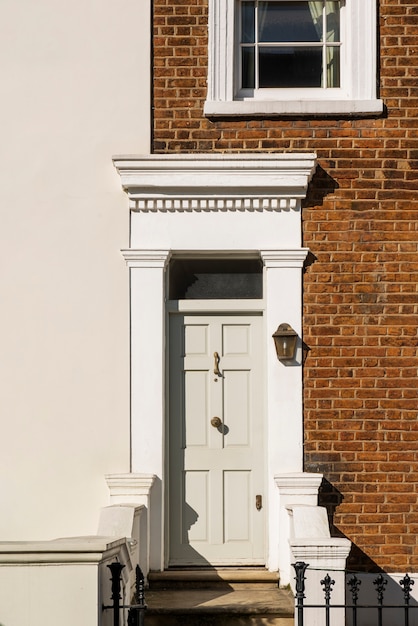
{"x": 216, "y": 182}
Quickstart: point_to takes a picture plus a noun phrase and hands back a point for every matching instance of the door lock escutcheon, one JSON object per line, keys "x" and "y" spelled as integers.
{"x": 259, "y": 502}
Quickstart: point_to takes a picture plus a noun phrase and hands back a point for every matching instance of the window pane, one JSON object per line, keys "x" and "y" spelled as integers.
{"x": 248, "y": 22}
{"x": 333, "y": 21}
{"x": 215, "y": 279}
{"x": 248, "y": 65}
{"x": 290, "y": 67}
{"x": 333, "y": 67}
{"x": 288, "y": 21}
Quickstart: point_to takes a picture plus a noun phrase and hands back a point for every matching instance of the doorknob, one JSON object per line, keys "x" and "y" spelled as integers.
{"x": 216, "y": 422}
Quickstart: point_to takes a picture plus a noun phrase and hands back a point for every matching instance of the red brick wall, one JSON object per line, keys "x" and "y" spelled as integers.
{"x": 360, "y": 291}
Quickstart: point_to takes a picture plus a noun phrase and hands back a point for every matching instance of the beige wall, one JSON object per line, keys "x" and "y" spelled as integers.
{"x": 74, "y": 90}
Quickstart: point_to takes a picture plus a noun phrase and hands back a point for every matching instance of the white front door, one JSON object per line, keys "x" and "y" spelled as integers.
{"x": 216, "y": 440}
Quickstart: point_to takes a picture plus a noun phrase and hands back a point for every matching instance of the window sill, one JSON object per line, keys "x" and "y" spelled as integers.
{"x": 252, "y": 108}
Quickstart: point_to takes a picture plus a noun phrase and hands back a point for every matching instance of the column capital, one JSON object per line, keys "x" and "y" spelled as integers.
{"x": 284, "y": 258}
{"x": 146, "y": 258}
{"x": 299, "y": 484}
{"x": 129, "y": 487}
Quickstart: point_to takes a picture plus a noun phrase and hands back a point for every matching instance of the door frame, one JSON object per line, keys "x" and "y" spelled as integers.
{"x": 228, "y": 204}
{"x": 213, "y": 307}
{"x": 282, "y": 271}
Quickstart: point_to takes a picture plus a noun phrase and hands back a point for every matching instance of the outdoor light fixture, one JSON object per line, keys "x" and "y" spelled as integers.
{"x": 285, "y": 341}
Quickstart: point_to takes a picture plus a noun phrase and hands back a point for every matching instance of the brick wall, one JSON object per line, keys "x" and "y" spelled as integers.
{"x": 360, "y": 291}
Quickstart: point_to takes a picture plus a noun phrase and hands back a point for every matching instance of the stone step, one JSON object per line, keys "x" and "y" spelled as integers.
{"x": 217, "y": 619}
{"x": 231, "y": 578}
{"x": 221, "y": 597}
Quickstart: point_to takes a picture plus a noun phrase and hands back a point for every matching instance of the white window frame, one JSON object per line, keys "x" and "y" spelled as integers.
{"x": 356, "y": 96}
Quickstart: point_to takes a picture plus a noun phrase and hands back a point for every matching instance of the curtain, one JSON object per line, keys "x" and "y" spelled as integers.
{"x": 332, "y": 33}
{"x": 262, "y": 15}
{"x": 332, "y": 7}
{"x": 317, "y": 9}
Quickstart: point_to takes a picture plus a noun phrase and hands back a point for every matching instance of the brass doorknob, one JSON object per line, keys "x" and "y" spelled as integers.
{"x": 216, "y": 422}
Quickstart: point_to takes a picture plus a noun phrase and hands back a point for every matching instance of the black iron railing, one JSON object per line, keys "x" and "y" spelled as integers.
{"x": 353, "y": 609}
{"x": 136, "y": 611}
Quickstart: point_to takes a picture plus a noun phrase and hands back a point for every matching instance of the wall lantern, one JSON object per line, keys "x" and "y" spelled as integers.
{"x": 285, "y": 341}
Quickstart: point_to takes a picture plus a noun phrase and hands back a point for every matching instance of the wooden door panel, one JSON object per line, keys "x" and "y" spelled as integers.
{"x": 236, "y": 408}
{"x": 195, "y": 340}
{"x": 196, "y": 392}
{"x": 235, "y": 339}
{"x": 237, "y": 489}
{"x": 196, "y": 488}
{"x": 215, "y": 472}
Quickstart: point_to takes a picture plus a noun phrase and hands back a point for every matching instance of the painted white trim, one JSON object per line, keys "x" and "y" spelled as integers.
{"x": 205, "y": 203}
{"x": 284, "y": 258}
{"x": 326, "y": 107}
{"x": 130, "y": 488}
{"x": 302, "y": 487}
{"x": 216, "y": 182}
{"x": 259, "y": 163}
{"x": 39, "y": 578}
{"x": 324, "y": 556}
{"x": 331, "y": 552}
{"x": 216, "y": 254}
{"x": 358, "y": 59}
{"x": 295, "y": 488}
{"x": 169, "y": 183}
{"x": 147, "y": 291}
{"x": 146, "y": 258}
{"x": 212, "y": 306}
{"x": 135, "y": 490}
{"x": 74, "y": 550}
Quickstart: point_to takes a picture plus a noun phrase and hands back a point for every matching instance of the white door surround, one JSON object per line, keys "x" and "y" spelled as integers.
{"x": 215, "y": 205}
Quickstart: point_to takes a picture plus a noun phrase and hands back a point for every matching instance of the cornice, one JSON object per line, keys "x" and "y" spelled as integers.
{"x": 216, "y": 182}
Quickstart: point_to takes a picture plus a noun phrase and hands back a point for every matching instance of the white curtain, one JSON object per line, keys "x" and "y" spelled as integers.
{"x": 332, "y": 28}
{"x": 317, "y": 10}
{"x": 262, "y": 16}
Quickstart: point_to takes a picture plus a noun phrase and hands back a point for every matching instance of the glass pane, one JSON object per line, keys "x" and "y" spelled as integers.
{"x": 222, "y": 279}
{"x": 316, "y": 9}
{"x": 248, "y": 65}
{"x": 248, "y": 22}
{"x": 333, "y": 67}
{"x": 288, "y": 21}
{"x": 333, "y": 21}
{"x": 290, "y": 67}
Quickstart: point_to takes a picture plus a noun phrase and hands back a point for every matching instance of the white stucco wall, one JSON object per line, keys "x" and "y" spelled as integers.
{"x": 74, "y": 90}
{"x": 64, "y": 581}
{"x": 51, "y": 595}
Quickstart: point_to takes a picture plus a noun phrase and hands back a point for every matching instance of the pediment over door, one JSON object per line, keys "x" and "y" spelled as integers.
{"x": 215, "y": 181}
{"x": 254, "y": 197}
